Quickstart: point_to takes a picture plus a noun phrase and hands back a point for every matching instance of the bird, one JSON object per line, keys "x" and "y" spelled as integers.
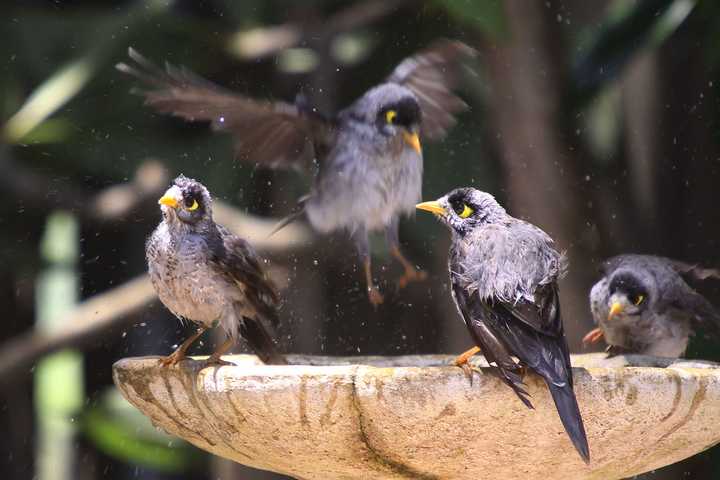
{"x": 367, "y": 159}
{"x": 203, "y": 273}
{"x": 504, "y": 281}
{"x": 643, "y": 305}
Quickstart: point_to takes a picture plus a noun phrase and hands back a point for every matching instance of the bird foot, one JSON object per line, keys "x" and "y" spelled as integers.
{"x": 593, "y": 336}
{"x": 411, "y": 275}
{"x": 614, "y": 351}
{"x": 468, "y": 370}
{"x": 214, "y": 361}
{"x": 376, "y": 298}
{"x": 172, "y": 359}
{"x": 463, "y": 362}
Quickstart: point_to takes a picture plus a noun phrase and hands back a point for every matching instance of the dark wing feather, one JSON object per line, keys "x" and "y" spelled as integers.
{"x": 240, "y": 262}
{"x": 432, "y": 75}
{"x": 704, "y": 315}
{"x": 533, "y": 333}
{"x": 493, "y": 348}
{"x": 695, "y": 271}
{"x": 275, "y": 134}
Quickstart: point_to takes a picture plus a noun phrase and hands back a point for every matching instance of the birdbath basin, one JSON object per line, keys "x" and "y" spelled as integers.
{"x": 416, "y": 417}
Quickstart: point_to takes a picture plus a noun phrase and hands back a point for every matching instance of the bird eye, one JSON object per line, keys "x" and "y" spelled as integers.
{"x": 463, "y": 210}
{"x": 191, "y": 205}
{"x": 639, "y": 299}
{"x": 390, "y": 116}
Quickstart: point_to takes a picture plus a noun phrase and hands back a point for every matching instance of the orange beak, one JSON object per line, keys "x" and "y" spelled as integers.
{"x": 432, "y": 206}
{"x": 412, "y": 139}
{"x": 168, "y": 201}
{"x": 615, "y": 309}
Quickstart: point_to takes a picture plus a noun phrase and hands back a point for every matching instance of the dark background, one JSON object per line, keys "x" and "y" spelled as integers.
{"x": 596, "y": 120}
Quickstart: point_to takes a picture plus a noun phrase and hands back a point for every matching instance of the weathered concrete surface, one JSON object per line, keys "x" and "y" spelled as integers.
{"x": 413, "y": 417}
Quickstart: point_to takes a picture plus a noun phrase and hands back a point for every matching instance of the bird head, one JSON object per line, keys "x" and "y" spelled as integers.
{"x": 394, "y": 111}
{"x": 630, "y": 293}
{"x": 186, "y": 201}
{"x": 464, "y": 209}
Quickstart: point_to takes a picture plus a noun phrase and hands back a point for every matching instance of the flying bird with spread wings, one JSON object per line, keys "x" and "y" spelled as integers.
{"x": 369, "y": 154}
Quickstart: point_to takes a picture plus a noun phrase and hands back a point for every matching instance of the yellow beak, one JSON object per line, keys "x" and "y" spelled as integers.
{"x": 615, "y": 308}
{"x": 412, "y": 139}
{"x": 168, "y": 201}
{"x": 433, "y": 207}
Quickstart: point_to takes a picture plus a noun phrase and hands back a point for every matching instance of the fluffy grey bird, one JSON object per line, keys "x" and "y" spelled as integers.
{"x": 369, "y": 154}
{"x": 205, "y": 274}
{"x": 503, "y": 273}
{"x": 643, "y": 305}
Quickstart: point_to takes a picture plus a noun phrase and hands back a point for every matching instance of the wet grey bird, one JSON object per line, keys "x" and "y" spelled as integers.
{"x": 643, "y": 305}
{"x": 369, "y": 154}
{"x": 205, "y": 274}
{"x": 503, "y": 273}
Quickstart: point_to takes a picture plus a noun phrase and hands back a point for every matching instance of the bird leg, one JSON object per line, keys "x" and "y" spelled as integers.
{"x": 593, "y": 336}
{"x": 462, "y": 361}
{"x": 374, "y": 294}
{"x": 411, "y": 274}
{"x": 181, "y": 351}
{"x": 362, "y": 244}
{"x": 215, "y": 359}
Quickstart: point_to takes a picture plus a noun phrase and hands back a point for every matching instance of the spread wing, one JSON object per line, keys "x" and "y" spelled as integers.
{"x": 432, "y": 75}
{"x": 278, "y": 135}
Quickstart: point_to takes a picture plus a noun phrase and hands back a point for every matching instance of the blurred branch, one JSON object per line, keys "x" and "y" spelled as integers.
{"x": 118, "y": 202}
{"x": 263, "y": 42}
{"x": 88, "y": 320}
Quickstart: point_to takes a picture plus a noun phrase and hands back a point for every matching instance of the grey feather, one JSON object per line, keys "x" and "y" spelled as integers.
{"x": 504, "y": 274}
{"x": 370, "y": 165}
{"x": 203, "y": 273}
{"x": 669, "y": 312}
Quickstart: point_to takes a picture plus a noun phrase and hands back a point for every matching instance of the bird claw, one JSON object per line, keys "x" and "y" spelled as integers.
{"x": 376, "y": 298}
{"x": 411, "y": 275}
{"x": 172, "y": 359}
{"x": 468, "y": 369}
{"x": 593, "y": 336}
{"x": 216, "y": 362}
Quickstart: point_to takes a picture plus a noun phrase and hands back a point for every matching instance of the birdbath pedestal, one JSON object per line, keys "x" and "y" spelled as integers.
{"x": 417, "y": 417}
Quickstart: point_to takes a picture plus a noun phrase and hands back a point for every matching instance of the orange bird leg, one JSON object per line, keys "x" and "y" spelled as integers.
{"x": 593, "y": 336}
{"x": 181, "y": 351}
{"x": 374, "y": 294}
{"x": 215, "y": 359}
{"x": 462, "y": 361}
{"x": 411, "y": 273}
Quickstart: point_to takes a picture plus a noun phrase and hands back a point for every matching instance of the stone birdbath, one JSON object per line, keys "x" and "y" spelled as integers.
{"x": 417, "y": 417}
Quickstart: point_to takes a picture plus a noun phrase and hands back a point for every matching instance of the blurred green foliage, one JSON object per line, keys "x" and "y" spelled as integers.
{"x": 68, "y": 117}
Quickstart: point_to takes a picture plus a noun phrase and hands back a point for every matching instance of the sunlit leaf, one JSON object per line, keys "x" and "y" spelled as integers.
{"x": 52, "y": 94}
{"x": 487, "y": 16}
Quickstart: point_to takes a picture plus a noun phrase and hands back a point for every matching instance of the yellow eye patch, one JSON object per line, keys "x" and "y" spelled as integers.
{"x": 639, "y": 299}
{"x": 195, "y": 205}
{"x": 466, "y": 212}
{"x": 390, "y": 116}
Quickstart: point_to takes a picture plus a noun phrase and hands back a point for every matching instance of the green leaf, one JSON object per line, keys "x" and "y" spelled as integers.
{"x": 488, "y": 16}
{"x": 629, "y": 27}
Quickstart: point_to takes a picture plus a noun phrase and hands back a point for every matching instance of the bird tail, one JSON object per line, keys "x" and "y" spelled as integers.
{"x": 569, "y": 412}
{"x": 259, "y": 339}
{"x": 292, "y": 217}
